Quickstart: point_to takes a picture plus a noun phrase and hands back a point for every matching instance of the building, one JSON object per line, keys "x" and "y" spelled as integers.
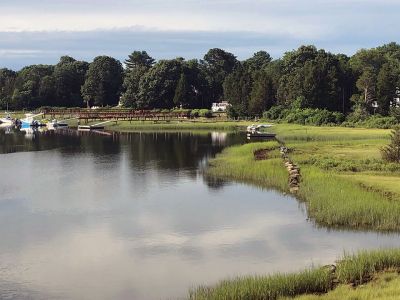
{"x": 220, "y": 107}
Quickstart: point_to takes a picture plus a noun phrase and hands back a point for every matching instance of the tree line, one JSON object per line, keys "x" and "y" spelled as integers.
{"x": 305, "y": 78}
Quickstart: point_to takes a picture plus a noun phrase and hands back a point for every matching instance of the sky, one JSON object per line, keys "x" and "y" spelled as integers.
{"x": 39, "y": 32}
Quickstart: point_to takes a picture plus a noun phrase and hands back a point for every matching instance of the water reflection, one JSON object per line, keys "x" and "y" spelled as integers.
{"x": 92, "y": 217}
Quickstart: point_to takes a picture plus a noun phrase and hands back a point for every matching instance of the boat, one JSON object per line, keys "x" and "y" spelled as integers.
{"x": 7, "y": 119}
{"x": 254, "y": 131}
{"x": 57, "y": 124}
{"x": 90, "y": 127}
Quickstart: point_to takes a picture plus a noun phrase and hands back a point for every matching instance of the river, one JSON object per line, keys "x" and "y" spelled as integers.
{"x": 131, "y": 216}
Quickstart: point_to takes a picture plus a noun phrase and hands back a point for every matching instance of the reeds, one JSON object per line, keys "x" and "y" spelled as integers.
{"x": 361, "y": 267}
{"x": 313, "y": 280}
{"x": 238, "y": 163}
{"x": 352, "y": 269}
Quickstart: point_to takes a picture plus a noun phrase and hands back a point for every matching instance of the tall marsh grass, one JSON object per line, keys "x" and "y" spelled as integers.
{"x": 351, "y": 269}
{"x": 331, "y": 200}
{"x": 338, "y": 202}
{"x": 359, "y": 268}
{"x": 238, "y": 163}
{"x": 313, "y": 280}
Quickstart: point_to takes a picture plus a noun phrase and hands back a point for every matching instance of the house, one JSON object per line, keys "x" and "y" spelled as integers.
{"x": 220, "y": 107}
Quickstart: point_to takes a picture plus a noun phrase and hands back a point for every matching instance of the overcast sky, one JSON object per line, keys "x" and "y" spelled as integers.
{"x": 41, "y": 31}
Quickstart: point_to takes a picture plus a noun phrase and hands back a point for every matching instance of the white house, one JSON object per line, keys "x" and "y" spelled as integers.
{"x": 220, "y": 107}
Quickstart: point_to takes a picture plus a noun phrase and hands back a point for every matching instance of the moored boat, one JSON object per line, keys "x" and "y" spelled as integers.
{"x": 7, "y": 119}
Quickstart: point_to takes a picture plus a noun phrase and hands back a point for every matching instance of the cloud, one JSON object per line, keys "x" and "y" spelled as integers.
{"x": 87, "y": 28}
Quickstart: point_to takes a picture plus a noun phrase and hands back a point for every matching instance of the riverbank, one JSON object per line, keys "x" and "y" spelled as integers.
{"x": 340, "y": 168}
{"x": 197, "y": 124}
{"x": 353, "y": 275}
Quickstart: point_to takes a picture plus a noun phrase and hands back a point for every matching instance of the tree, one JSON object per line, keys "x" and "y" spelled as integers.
{"x": 27, "y": 86}
{"x": 137, "y": 64}
{"x": 257, "y": 62}
{"x": 69, "y": 76}
{"x": 218, "y": 65}
{"x": 391, "y": 153}
{"x": 313, "y": 75}
{"x": 7, "y": 80}
{"x": 262, "y": 95}
{"x": 139, "y": 59}
{"x": 386, "y": 87}
{"x": 181, "y": 91}
{"x": 198, "y": 91}
{"x": 157, "y": 87}
{"x": 130, "y": 96}
{"x": 366, "y": 84}
{"x": 237, "y": 88}
{"x": 103, "y": 82}
{"x": 47, "y": 90}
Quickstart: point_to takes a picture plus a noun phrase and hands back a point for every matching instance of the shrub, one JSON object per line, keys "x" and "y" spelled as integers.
{"x": 304, "y": 116}
{"x": 205, "y": 113}
{"x": 275, "y": 113}
{"x": 195, "y": 113}
{"x": 391, "y": 152}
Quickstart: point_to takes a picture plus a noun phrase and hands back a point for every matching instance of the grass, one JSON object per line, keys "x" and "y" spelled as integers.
{"x": 354, "y": 269}
{"x": 198, "y": 124}
{"x": 385, "y": 286}
{"x": 313, "y": 280}
{"x": 336, "y": 192}
{"x": 359, "y": 268}
{"x": 238, "y": 163}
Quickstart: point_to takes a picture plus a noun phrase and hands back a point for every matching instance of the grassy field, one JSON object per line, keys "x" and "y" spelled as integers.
{"x": 324, "y": 282}
{"x": 339, "y": 167}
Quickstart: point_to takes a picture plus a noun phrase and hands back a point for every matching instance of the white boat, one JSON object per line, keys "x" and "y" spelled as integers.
{"x": 57, "y": 124}
{"x": 254, "y": 127}
{"x": 7, "y": 120}
{"x": 254, "y": 131}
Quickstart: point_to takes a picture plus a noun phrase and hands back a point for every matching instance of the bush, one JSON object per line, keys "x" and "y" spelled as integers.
{"x": 275, "y": 113}
{"x": 375, "y": 121}
{"x": 303, "y": 116}
{"x": 195, "y": 113}
{"x": 391, "y": 152}
{"x": 205, "y": 113}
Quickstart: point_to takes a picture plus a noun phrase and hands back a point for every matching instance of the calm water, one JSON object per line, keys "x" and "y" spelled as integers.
{"x": 94, "y": 217}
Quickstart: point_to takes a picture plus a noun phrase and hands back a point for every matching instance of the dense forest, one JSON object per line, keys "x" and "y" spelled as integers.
{"x": 304, "y": 83}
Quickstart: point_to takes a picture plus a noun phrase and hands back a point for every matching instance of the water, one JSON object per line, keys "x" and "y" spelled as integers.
{"x": 93, "y": 217}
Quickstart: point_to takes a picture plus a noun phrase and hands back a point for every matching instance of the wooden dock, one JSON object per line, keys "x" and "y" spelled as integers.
{"x": 87, "y": 115}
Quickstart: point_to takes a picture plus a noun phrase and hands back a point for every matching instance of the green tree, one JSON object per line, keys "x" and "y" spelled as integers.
{"x": 7, "y": 80}
{"x": 366, "y": 84}
{"x": 157, "y": 87}
{"x": 137, "y": 64}
{"x": 313, "y": 75}
{"x": 237, "y": 89}
{"x": 218, "y": 65}
{"x": 27, "y": 86}
{"x": 103, "y": 82}
{"x": 257, "y": 62}
{"x": 69, "y": 76}
{"x": 263, "y": 93}
{"x": 139, "y": 59}
{"x": 130, "y": 96}
{"x": 47, "y": 91}
{"x": 181, "y": 91}
{"x": 386, "y": 87}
